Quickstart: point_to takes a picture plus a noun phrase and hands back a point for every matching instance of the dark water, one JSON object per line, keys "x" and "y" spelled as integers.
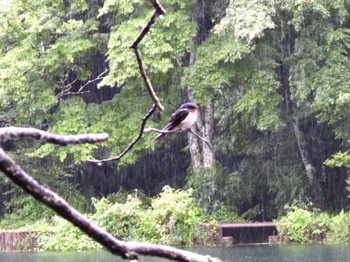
{"x": 297, "y": 253}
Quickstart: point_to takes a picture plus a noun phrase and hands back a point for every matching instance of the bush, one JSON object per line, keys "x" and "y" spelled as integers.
{"x": 175, "y": 217}
{"x": 171, "y": 218}
{"x": 63, "y": 236}
{"x": 340, "y": 228}
{"x": 300, "y": 225}
{"x": 125, "y": 220}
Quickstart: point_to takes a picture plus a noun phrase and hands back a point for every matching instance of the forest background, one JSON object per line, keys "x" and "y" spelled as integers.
{"x": 271, "y": 77}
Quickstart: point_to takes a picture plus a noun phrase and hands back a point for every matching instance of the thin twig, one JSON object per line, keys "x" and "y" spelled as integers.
{"x": 146, "y": 29}
{"x": 160, "y": 131}
{"x": 67, "y": 88}
{"x": 201, "y": 138}
{"x": 75, "y": 93}
{"x": 127, "y": 250}
{"x": 99, "y": 77}
{"x": 152, "y": 129}
{"x": 132, "y": 144}
{"x": 63, "y": 140}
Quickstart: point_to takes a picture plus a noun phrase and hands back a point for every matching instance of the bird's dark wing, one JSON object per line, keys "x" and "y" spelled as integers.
{"x": 176, "y": 118}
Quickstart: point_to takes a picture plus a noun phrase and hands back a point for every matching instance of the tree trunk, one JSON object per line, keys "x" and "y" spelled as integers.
{"x": 310, "y": 170}
{"x": 208, "y": 128}
{"x": 205, "y": 122}
{"x": 194, "y": 150}
{"x": 300, "y": 137}
{"x": 204, "y": 158}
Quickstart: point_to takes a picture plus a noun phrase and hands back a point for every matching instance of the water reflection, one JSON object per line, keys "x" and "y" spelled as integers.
{"x": 295, "y": 253}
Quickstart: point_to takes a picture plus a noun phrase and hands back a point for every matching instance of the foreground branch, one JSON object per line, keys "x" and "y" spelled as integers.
{"x": 127, "y": 250}
{"x": 12, "y": 132}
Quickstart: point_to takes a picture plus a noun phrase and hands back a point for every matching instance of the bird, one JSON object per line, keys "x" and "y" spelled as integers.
{"x": 183, "y": 118}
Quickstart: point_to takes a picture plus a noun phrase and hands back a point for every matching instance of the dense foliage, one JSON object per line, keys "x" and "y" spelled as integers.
{"x": 271, "y": 77}
{"x": 308, "y": 225}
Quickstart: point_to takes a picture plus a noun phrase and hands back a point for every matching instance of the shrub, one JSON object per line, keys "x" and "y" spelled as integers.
{"x": 340, "y": 228}
{"x": 171, "y": 218}
{"x": 175, "y": 217}
{"x": 300, "y": 225}
{"x": 63, "y": 236}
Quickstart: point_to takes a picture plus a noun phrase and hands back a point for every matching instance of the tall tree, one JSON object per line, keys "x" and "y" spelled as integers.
{"x": 265, "y": 57}
{"x": 202, "y": 155}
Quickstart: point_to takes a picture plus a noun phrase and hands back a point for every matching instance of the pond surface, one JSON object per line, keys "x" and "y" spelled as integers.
{"x": 297, "y": 253}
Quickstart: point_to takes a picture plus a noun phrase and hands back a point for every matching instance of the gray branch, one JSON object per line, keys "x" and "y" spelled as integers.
{"x": 127, "y": 250}
{"x": 159, "y": 10}
{"x": 148, "y": 83}
{"x": 66, "y": 89}
{"x": 133, "y": 143}
{"x": 13, "y": 132}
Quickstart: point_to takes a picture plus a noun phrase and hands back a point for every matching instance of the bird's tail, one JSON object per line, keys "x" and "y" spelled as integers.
{"x": 160, "y": 137}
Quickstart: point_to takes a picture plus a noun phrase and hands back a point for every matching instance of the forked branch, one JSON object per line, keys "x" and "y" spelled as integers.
{"x": 133, "y": 143}
{"x": 159, "y": 10}
{"x": 127, "y": 250}
{"x": 66, "y": 89}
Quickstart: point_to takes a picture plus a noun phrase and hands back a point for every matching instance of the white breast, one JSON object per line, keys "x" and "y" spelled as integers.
{"x": 188, "y": 121}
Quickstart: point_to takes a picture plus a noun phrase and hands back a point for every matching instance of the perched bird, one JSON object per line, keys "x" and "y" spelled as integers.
{"x": 183, "y": 118}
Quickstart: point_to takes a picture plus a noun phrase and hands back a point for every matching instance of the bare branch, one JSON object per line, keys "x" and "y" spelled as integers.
{"x": 99, "y": 77}
{"x": 159, "y": 11}
{"x": 67, "y": 88}
{"x": 152, "y": 129}
{"x": 132, "y": 144}
{"x": 148, "y": 83}
{"x": 169, "y": 252}
{"x": 156, "y": 103}
{"x": 158, "y": 7}
{"x": 63, "y": 140}
{"x": 147, "y": 28}
{"x": 160, "y": 131}
{"x": 74, "y": 93}
{"x": 127, "y": 250}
